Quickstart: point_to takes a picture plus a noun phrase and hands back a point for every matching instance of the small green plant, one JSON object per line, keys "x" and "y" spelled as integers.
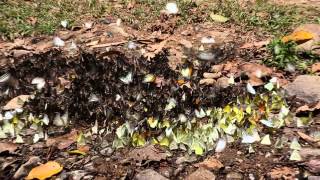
{"x": 284, "y": 54}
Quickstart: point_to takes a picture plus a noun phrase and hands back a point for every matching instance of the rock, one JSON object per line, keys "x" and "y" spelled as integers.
{"x": 305, "y": 87}
{"x": 201, "y": 174}
{"x": 26, "y": 167}
{"x": 234, "y": 176}
{"x": 211, "y": 75}
{"x": 313, "y": 166}
{"x": 149, "y": 174}
{"x": 223, "y": 82}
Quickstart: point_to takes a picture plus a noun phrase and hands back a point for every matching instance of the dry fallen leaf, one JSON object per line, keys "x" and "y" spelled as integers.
{"x": 7, "y": 146}
{"x": 305, "y": 108}
{"x": 298, "y": 36}
{"x": 16, "y": 102}
{"x": 210, "y": 164}
{"x": 45, "y": 171}
{"x": 258, "y": 70}
{"x": 64, "y": 141}
{"x": 306, "y": 137}
{"x": 147, "y": 153}
{"x": 255, "y": 44}
{"x": 283, "y": 173}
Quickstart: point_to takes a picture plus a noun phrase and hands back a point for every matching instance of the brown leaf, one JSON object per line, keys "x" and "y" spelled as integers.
{"x": 16, "y": 102}
{"x": 254, "y": 81}
{"x": 313, "y": 165}
{"x": 306, "y": 108}
{"x": 147, "y": 153}
{"x": 258, "y": 70}
{"x": 210, "y": 164}
{"x": 255, "y": 44}
{"x": 283, "y": 173}
{"x": 306, "y": 137}
{"x": 64, "y": 141}
{"x": 186, "y": 43}
{"x": 315, "y": 67}
{"x": 7, "y": 146}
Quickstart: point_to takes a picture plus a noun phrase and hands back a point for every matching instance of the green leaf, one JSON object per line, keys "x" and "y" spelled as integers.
{"x": 218, "y": 18}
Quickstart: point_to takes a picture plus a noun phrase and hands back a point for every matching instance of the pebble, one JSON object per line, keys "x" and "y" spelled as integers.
{"x": 149, "y": 174}
{"x": 201, "y": 174}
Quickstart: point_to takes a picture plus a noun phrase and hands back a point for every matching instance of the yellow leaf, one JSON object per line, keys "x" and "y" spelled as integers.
{"x": 298, "y": 36}
{"x": 45, "y": 171}
{"x": 77, "y": 152}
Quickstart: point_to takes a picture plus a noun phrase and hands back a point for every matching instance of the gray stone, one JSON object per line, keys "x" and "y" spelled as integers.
{"x": 305, "y": 87}
{"x": 201, "y": 174}
{"x": 234, "y": 176}
{"x": 149, "y": 174}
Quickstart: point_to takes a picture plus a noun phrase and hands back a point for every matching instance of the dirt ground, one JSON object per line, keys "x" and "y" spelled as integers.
{"x": 101, "y": 100}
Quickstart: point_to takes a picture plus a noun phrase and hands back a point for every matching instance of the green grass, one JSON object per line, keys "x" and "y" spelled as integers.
{"x": 283, "y": 54}
{"x": 15, "y": 15}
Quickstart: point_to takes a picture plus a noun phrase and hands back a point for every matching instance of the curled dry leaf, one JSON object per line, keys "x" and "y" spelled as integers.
{"x": 149, "y": 152}
{"x": 16, "y": 102}
{"x": 210, "y": 164}
{"x": 283, "y": 173}
{"x": 306, "y": 108}
{"x": 64, "y": 141}
{"x": 45, "y": 171}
